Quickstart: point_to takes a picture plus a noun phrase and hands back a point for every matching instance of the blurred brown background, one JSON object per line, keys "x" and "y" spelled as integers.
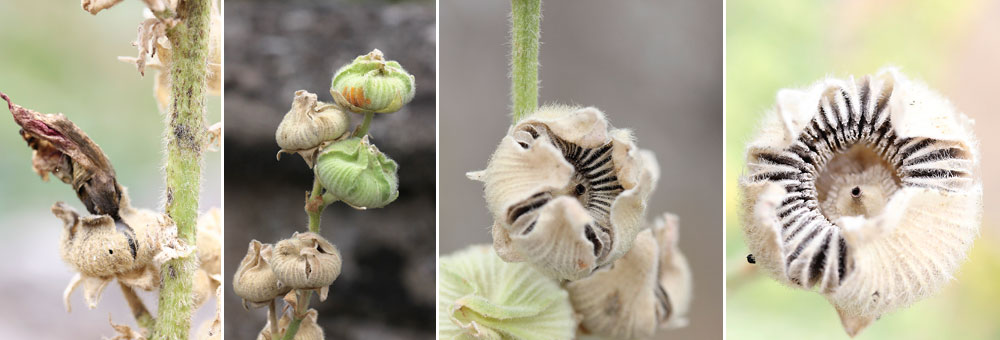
{"x": 652, "y": 66}
{"x": 273, "y": 48}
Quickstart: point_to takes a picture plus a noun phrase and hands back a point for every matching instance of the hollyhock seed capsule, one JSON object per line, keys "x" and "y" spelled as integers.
{"x": 308, "y": 124}
{"x": 306, "y": 261}
{"x": 357, "y": 173}
{"x": 370, "y": 84}
{"x": 867, "y": 191}
{"x": 656, "y": 293}
{"x": 254, "y": 281}
{"x": 567, "y": 192}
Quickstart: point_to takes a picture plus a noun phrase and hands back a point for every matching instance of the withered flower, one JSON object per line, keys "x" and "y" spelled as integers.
{"x": 567, "y": 192}
{"x": 867, "y": 191}
{"x": 61, "y": 148}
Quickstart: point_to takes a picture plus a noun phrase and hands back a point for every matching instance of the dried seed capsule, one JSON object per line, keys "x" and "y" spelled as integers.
{"x": 308, "y": 329}
{"x": 482, "y": 297}
{"x": 372, "y": 84}
{"x": 357, "y": 173}
{"x": 308, "y": 124}
{"x": 656, "y": 292}
{"x": 866, "y": 190}
{"x": 98, "y": 246}
{"x": 209, "y": 241}
{"x": 102, "y": 249}
{"x": 306, "y": 261}
{"x": 254, "y": 281}
{"x": 567, "y": 193}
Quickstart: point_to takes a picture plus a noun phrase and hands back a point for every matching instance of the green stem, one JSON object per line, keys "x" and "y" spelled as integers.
{"x": 186, "y": 137}
{"x": 526, "y": 20}
{"x": 300, "y": 311}
{"x": 363, "y": 130}
{"x": 315, "y": 205}
{"x": 142, "y": 316}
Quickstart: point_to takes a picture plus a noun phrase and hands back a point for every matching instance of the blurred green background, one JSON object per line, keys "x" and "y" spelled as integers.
{"x": 55, "y": 57}
{"x": 951, "y": 45}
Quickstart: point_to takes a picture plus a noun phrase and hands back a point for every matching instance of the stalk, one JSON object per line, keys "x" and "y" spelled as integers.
{"x": 186, "y": 136}
{"x": 300, "y": 311}
{"x": 142, "y": 316}
{"x": 315, "y": 205}
{"x": 526, "y": 17}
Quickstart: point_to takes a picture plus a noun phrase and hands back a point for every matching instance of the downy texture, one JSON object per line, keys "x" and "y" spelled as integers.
{"x": 567, "y": 192}
{"x": 483, "y": 297}
{"x": 357, "y": 173}
{"x": 867, "y": 190}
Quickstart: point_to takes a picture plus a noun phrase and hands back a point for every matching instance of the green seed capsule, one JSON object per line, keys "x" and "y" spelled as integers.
{"x": 370, "y": 84}
{"x": 357, "y": 173}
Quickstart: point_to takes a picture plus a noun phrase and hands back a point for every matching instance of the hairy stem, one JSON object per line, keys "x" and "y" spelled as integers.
{"x": 526, "y": 18}
{"x": 363, "y": 129}
{"x": 315, "y": 205}
{"x": 300, "y": 313}
{"x": 186, "y": 135}
{"x": 142, "y": 316}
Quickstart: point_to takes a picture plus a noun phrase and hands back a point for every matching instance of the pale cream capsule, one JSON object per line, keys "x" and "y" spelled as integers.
{"x": 647, "y": 289}
{"x": 306, "y": 261}
{"x": 567, "y": 192}
{"x": 868, "y": 191}
{"x": 254, "y": 280}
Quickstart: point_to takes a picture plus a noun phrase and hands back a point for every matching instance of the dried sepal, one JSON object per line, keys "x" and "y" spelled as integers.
{"x": 308, "y": 124}
{"x": 646, "y": 289}
{"x": 308, "y": 328}
{"x": 254, "y": 280}
{"x": 567, "y": 192}
{"x": 92, "y": 289}
{"x": 60, "y": 147}
{"x": 482, "y": 297}
{"x": 306, "y": 261}
{"x": 95, "y": 6}
{"x": 124, "y": 332}
{"x": 866, "y": 190}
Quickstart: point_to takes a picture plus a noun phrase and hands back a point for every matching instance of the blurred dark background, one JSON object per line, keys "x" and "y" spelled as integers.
{"x": 273, "y": 48}
{"x": 651, "y": 66}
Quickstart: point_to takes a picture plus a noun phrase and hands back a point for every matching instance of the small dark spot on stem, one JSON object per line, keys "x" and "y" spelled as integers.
{"x": 172, "y": 272}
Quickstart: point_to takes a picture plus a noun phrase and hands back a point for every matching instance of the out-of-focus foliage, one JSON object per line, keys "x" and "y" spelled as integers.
{"x": 783, "y": 44}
